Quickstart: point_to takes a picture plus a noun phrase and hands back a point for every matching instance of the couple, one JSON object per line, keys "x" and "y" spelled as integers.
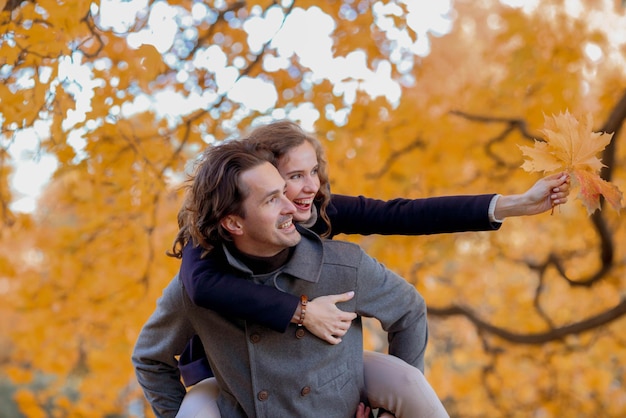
{"x": 241, "y": 351}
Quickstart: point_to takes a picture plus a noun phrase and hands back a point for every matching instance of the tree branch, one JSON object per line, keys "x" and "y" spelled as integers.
{"x": 416, "y": 143}
{"x": 512, "y": 123}
{"x": 553, "y": 334}
{"x": 613, "y": 125}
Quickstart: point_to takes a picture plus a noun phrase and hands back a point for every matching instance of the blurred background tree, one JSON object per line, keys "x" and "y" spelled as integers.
{"x": 410, "y": 98}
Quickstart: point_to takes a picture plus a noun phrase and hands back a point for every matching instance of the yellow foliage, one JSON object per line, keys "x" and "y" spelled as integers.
{"x": 29, "y": 405}
{"x": 9, "y": 55}
{"x": 80, "y": 275}
{"x": 148, "y": 61}
{"x": 19, "y": 375}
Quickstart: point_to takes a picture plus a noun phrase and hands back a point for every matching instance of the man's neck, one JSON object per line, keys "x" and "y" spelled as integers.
{"x": 262, "y": 265}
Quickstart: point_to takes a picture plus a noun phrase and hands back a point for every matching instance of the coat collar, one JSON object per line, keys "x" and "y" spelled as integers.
{"x": 305, "y": 263}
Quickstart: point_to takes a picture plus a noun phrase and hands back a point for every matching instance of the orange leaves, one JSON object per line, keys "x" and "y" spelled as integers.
{"x": 572, "y": 145}
{"x": 569, "y": 144}
{"x": 29, "y": 404}
{"x": 9, "y": 54}
{"x": 94, "y": 250}
{"x": 150, "y": 62}
{"x": 592, "y": 186}
{"x": 541, "y": 158}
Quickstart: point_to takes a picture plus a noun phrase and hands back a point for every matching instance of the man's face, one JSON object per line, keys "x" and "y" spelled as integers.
{"x": 268, "y": 226}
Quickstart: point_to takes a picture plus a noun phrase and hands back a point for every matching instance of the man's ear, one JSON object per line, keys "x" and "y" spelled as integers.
{"x": 232, "y": 224}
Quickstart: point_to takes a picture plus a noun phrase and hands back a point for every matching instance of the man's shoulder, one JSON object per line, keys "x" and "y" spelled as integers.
{"x": 340, "y": 244}
{"x": 337, "y": 251}
{"x": 174, "y": 288}
{"x": 334, "y": 251}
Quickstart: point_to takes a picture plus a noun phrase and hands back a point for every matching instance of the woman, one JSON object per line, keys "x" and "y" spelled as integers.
{"x": 300, "y": 160}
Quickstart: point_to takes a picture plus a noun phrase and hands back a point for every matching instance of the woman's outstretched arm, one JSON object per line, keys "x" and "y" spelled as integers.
{"x": 436, "y": 215}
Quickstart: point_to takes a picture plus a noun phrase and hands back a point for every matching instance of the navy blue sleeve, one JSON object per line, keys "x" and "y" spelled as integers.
{"x": 211, "y": 283}
{"x": 434, "y": 215}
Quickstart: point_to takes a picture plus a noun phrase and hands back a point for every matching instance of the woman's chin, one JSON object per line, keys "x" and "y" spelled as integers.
{"x": 302, "y": 216}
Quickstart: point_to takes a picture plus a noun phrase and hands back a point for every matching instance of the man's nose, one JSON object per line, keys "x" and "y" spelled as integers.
{"x": 288, "y": 206}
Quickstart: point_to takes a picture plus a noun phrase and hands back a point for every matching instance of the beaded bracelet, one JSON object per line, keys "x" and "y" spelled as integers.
{"x": 303, "y": 301}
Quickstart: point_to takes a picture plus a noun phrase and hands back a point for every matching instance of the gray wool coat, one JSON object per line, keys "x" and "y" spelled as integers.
{"x": 264, "y": 373}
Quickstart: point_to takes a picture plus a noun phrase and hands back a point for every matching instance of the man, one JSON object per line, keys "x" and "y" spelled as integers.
{"x": 237, "y": 201}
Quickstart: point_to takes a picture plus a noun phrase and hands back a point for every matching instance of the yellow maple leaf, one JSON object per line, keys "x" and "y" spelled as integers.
{"x": 571, "y": 145}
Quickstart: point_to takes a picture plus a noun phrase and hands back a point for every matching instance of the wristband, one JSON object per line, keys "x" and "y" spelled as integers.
{"x": 303, "y": 301}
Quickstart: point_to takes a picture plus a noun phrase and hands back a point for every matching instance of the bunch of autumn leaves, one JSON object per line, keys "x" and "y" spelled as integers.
{"x": 571, "y": 145}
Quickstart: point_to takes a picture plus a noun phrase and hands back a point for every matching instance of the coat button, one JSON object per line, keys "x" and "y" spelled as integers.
{"x": 263, "y": 395}
{"x": 255, "y": 338}
{"x": 305, "y": 391}
{"x": 300, "y": 332}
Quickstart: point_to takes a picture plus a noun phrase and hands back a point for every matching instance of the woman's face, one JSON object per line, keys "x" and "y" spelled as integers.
{"x": 299, "y": 169}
